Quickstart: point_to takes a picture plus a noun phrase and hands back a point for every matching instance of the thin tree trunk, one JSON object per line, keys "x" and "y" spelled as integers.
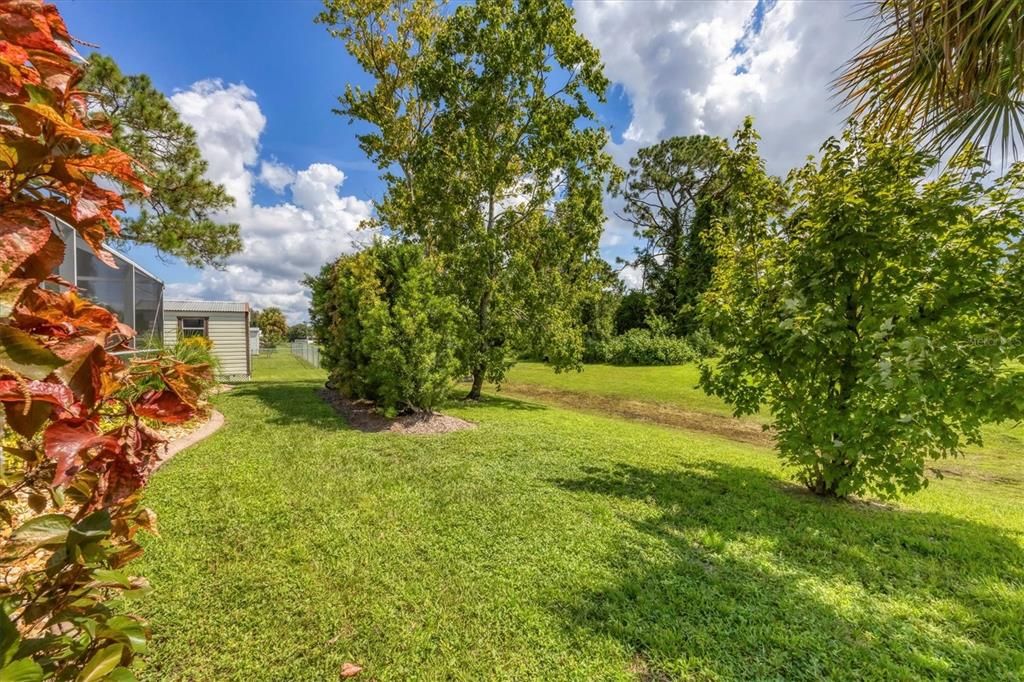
{"x": 480, "y": 369}
{"x": 482, "y": 311}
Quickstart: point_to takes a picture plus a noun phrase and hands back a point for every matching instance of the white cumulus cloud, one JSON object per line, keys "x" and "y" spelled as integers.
{"x": 282, "y": 242}
{"x": 701, "y": 67}
{"x": 276, "y": 176}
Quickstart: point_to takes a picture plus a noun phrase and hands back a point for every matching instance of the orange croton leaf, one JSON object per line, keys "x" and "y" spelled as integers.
{"x": 63, "y": 126}
{"x": 23, "y": 231}
{"x": 112, "y": 162}
{"x": 40, "y": 264}
{"x": 12, "y": 390}
{"x": 27, "y": 24}
{"x": 164, "y": 406}
{"x": 65, "y": 440}
{"x": 44, "y": 397}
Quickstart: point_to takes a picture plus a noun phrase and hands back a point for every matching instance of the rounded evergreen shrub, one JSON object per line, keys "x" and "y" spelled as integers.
{"x": 386, "y": 334}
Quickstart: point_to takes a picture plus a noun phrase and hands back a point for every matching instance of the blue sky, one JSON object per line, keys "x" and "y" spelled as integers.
{"x": 296, "y": 70}
{"x": 258, "y": 81}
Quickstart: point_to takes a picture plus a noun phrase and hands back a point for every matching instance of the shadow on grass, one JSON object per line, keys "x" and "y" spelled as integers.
{"x": 492, "y": 400}
{"x": 731, "y": 574}
{"x": 294, "y": 403}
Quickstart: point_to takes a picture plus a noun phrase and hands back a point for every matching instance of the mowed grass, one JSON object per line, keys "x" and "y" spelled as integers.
{"x": 551, "y": 544}
{"x": 1001, "y": 457}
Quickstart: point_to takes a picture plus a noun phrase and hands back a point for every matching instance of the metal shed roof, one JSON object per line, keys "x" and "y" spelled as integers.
{"x": 206, "y": 306}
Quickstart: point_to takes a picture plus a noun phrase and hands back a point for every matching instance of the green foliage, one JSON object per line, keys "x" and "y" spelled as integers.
{"x": 299, "y": 331}
{"x": 952, "y": 71}
{"x": 386, "y": 335}
{"x": 634, "y": 309}
{"x": 644, "y": 347}
{"x": 598, "y": 310}
{"x": 176, "y": 216}
{"x": 874, "y": 310}
{"x": 494, "y": 160}
{"x": 197, "y": 350}
{"x": 672, "y": 194}
{"x": 272, "y": 325}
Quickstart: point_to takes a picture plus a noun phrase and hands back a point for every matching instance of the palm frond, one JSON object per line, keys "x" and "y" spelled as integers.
{"x": 951, "y": 70}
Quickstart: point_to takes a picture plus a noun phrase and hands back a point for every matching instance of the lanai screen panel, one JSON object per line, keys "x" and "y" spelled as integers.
{"x": 149, "y": 320}
{"x": 110, "y": 287}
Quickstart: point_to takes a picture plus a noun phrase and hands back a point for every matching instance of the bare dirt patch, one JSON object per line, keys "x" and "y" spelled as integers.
{"x": 360, "y": 415}
{"x": 655, "y": 413}
{"x": 955, "y": 472}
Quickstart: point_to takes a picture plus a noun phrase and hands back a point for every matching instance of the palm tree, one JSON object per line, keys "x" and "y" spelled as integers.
{"x": 952, "y": 70}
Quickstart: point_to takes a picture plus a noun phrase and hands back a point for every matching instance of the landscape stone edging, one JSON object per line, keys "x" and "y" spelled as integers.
{"x": 211, "y": 426}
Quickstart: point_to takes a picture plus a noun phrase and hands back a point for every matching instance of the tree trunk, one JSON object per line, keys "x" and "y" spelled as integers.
{"x": 480, "y": 369}
{"x": 478, "y": 383}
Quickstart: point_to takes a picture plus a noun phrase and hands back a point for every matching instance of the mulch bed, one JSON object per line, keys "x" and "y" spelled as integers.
{"x": 360, "y": 415}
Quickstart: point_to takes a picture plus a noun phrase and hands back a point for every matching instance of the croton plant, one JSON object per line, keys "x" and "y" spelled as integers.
{"x": 77, "y": 421}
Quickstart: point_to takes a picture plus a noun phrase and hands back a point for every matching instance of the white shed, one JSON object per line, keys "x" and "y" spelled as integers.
{"x": 226, "y": 323}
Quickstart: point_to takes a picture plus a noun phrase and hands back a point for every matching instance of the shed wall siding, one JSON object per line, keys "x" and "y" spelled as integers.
{"x": 227, "y": 330}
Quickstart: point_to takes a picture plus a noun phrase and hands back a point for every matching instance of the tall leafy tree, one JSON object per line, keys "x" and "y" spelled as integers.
{"x": 598, "y": 310}
{"x": 176, "y": 216}
{"x": 672, "y": 193}
{"x": 272, "y": 325}
{"x": 952, "y": 70}
{"x": 876, "y": 312}
{"x": 495, "y": 161}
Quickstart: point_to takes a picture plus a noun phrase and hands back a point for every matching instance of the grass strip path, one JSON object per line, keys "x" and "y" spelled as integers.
{"x": 556, "y": 545}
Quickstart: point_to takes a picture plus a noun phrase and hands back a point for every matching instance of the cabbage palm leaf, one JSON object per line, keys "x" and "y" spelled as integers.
{"x": 953, "y": 70}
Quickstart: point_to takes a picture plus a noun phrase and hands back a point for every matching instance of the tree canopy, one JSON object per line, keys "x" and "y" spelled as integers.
{"x": 495, "y": 160}
{"x": 950, "y": 70}
{"x": 272, "y": 325}
{"x": 672, "y": 193}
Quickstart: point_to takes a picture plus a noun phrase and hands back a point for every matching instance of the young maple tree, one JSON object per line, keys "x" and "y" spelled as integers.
{"x": 76, "y": 447}
{"x": 872, "y": 305}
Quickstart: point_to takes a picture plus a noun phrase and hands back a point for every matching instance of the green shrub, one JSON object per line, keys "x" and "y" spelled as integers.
{"x": 386, "y": 334}
{"x": 642, "y": 347}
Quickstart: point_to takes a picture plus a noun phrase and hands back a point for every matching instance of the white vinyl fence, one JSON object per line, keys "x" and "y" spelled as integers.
{"x": 307, "y": 351}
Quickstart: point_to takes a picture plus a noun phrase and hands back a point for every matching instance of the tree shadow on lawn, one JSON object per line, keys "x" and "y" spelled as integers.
{"x": 297, "y": 402}
{"x": 294, "y": 403}
{"x": 732, "y": 574}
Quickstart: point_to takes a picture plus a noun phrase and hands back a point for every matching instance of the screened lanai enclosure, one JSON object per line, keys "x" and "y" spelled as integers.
{"x": 134, "y": 295}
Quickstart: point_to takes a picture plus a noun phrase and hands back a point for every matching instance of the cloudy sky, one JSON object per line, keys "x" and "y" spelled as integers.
{"x": 258, "y": 84}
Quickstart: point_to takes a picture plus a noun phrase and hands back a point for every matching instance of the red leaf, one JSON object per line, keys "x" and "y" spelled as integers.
{"x": 164, "y": 406}
{"x": 45, "y": 391}
{"x": 23, "y": 231}
{"x": 65, "y": 440}
{"x": 113, "y": 163}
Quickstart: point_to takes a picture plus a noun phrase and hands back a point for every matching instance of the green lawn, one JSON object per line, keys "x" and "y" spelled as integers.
{"x": 1001, "y": 457}
{"x": 675, "y": 385}
{"x": 553, "y": 544}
